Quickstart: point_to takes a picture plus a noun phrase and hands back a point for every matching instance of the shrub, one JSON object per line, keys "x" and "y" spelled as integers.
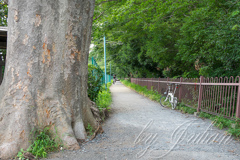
{"x": 104, "y": 98}
{"x": 94, "y": 82}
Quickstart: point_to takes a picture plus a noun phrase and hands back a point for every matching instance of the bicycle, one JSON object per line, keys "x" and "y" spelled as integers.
{"x": 170, "y": 95}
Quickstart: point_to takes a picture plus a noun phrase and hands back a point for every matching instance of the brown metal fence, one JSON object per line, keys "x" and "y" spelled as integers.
{"x": 218, "y": 96}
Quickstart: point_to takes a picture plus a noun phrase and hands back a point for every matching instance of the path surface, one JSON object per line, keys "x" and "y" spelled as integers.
{"x": 139, "y": 128}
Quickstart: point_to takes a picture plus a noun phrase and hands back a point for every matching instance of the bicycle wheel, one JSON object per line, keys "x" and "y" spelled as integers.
{"x": 163, "y": 100}
{"x": 174, "y": 104}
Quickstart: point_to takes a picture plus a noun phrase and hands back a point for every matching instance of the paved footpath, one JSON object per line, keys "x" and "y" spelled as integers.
{"x": 139, "y": 128}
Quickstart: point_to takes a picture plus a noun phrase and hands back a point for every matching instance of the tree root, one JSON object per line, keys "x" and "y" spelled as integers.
{"x": 97, "y": 131}
{"x": 99, "y": 116}
{"x": 28, "y": 155}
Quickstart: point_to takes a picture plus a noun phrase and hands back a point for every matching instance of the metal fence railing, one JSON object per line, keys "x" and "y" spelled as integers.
{"x": 219, "y": 96}
{"x": 109, "y": 77}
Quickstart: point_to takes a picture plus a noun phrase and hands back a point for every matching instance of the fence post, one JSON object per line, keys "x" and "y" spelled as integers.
{"x": 238, "y": 101}
{"x": 158, "y": 85}
{"x": 148, "y": 83}
{"x": 151, "y": 84}
{"x": 200, "y": 94}
{"x": 180, "y": 90}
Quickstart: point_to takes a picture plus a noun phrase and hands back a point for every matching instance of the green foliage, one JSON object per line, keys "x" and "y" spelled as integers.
{"x": 90, "y": 130}
{"x": 169, "y": 38}
{"x": 104, "y": 98}
{"x": 232, "y": 125}
{"x": 44, "y": 141}
{"x": 185, "y": 109}
{"x": 3, "y": 13}
{"x": 153, "y": 95}
{"x": 20, "y": 155}
{"x": 204, "y": 115}
{"x": 209, "y": 39}
{"x": 235, "y": 132}
{"x": 94, "y": 82}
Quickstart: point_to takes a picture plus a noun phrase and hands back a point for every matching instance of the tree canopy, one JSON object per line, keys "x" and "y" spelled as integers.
{"x": 170, "y": 38}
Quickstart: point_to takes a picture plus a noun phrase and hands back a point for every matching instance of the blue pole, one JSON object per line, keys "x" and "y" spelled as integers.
{"x": 105, "y": 62}
{"x": 92, "y": 65}
{"x": 110, "y": 73}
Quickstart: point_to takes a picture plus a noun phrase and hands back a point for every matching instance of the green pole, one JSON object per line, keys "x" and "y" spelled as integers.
{"x": 105, "y": 62}
{"x": 92, "y": 65}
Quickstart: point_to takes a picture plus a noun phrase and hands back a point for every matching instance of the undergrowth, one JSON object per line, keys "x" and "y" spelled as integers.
{"x": 44, "y": 141}
{"x": 232, "y": 125}
{"x": 153, "y": 95}
{"x": 89, "y": 130}
{"x": 104, "y": 98}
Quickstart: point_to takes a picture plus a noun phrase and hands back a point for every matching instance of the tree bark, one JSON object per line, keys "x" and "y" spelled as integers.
{"x": 45, "y": 79}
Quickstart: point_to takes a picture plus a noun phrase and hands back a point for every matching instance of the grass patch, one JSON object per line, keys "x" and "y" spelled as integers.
{"x": 151, "y": 94}
{"x": 44, "y": 141}
{"x": 104, "y": 98}
{"x": 232, "y": 125}
{"x": 185, "y": 109}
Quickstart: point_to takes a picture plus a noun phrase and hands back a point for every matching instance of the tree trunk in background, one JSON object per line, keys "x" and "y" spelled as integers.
{"x": 45, "y": 80}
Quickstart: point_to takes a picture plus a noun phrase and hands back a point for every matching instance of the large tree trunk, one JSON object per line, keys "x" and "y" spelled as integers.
{"x": 45, "y": 80}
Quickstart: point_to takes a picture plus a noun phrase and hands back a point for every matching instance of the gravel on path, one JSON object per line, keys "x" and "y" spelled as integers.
{"x": 139, "y": 128}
